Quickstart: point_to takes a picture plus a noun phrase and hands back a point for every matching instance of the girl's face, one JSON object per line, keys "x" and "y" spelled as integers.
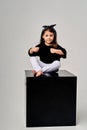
{"x": 48, "y": 37}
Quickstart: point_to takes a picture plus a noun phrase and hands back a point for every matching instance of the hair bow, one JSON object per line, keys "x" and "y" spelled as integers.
{"x": 49, "y": 26}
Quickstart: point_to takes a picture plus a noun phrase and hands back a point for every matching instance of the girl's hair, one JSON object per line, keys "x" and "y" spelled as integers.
{"x": 50, "y": 29}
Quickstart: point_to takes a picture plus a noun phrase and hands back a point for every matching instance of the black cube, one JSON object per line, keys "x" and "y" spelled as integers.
{"x": 51, "y": 100}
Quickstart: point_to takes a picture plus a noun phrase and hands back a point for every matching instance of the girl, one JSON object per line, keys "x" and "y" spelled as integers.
{"x": 49, "y": 52}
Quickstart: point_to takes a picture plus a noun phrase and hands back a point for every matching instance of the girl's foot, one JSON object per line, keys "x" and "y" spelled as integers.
{"x": 34, "y": 72}
{"x": 39, "y": 73}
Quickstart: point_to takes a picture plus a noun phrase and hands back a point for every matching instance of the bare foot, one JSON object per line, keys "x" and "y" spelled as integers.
{"x": 34, "y": 72}
{"x": 39, "y": 73}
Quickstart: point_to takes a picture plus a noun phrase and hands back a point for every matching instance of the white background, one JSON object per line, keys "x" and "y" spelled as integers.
{"x": 20, "y": 27}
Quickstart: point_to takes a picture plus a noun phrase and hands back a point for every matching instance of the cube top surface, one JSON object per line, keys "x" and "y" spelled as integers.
{"x": 60, "y": 73}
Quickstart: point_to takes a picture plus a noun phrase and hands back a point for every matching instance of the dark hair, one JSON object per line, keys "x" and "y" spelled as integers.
{"x": 50, "y": 29}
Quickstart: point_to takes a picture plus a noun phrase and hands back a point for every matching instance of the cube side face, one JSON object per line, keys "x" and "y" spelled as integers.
{"x": 50, "y": 101}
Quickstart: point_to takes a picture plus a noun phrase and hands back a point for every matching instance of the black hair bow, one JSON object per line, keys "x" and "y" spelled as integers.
{"x": 49, "y": 26}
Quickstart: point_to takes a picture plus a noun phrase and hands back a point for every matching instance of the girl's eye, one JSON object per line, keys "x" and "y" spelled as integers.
{"x": 51, "y": 35}
{"x": 46, "y": 35}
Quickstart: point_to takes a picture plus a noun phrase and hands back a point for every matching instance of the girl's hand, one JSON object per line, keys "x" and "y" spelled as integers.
{"x": 57, "y": 51}
{"x": 52, "y": 50}
{"x": 34, "y": 49}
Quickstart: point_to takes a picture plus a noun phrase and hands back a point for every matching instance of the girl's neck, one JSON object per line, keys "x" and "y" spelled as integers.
{"x": 48, "y": 44}
{"x": 51, "y": 45}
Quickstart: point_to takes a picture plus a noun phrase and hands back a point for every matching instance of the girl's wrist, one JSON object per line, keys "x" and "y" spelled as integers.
{"x": 54, "y": 51}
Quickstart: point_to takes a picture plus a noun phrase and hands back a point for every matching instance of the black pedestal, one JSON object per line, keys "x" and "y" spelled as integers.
{"x": 51, "y": 100}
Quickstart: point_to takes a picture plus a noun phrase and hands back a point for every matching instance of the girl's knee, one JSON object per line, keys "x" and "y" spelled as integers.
{"x": 33, "y": 58}
{"x": 57, "y": 64}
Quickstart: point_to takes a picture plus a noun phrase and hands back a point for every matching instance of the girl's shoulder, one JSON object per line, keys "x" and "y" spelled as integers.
{"x": 62, "y": 48}
{"x": 38, "y": 45}
{"x": 59, "y": 46}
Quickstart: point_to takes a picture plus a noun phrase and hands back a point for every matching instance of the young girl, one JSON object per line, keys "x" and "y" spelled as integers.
{"x": 49, "y": 52}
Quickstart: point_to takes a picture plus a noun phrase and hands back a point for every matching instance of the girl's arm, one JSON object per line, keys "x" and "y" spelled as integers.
{"x": 33, "y": 51}
{"x": 61, "y": 51}
{"x": 57, "y": 51}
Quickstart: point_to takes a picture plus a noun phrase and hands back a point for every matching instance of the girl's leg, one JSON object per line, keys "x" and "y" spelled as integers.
{"x": 36, "y": 67}
{"x": 48, "y": 68}
{"x": 35, "y": 64}
{"x": 41, "y": 67}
